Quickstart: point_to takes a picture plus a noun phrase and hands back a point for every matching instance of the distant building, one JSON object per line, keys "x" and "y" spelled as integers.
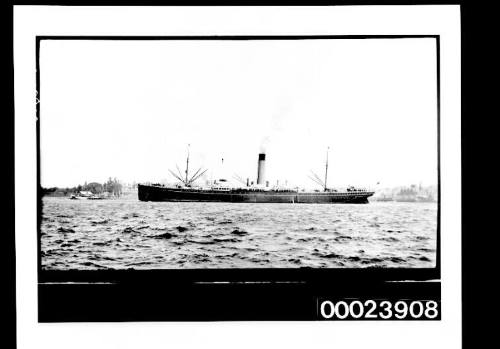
{"x": 85, "y": 193}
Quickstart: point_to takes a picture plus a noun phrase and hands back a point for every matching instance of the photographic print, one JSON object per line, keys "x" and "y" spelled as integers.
{"x": 238, "y": 153}
{"x": 260, "y": 175}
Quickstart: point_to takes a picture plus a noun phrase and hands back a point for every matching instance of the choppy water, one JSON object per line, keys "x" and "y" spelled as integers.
{"x": 127, "y": 233}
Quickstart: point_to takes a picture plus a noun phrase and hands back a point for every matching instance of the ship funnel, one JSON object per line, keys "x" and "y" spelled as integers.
{"x": 261, "y": 169}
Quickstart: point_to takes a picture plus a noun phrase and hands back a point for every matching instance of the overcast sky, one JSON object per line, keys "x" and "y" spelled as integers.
{"x": 128, "y": 109}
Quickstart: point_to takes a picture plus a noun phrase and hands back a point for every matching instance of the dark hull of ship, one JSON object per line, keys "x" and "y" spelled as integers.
{"x": 158, "y": 193}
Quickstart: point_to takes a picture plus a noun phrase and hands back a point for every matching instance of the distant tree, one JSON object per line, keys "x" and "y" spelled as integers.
{"x": 95, "y": 187}
{"x": 113, "y": 187}
{"x": 109, "y": 186}
{"x": 117, "y": 190}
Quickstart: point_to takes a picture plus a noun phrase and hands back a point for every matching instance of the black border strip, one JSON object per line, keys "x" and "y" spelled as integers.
{"x": 10, "y": 299}
{"x": 219, "y": 3}
{"x": 438, "y": 105}
{"x": 190, "y": 276}
{"x": 231, "y": 37}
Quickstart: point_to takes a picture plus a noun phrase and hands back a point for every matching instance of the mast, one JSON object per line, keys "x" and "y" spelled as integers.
{"x": 185, "y": 179}
{"x": 187, "y": 165}
{"x": 326, "y": 168}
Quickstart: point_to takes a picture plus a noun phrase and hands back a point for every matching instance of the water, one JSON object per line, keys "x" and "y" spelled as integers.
{"x": 127, "y": 233}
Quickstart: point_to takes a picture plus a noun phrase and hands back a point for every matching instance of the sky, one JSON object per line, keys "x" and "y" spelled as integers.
{"x": 129, "y": 109}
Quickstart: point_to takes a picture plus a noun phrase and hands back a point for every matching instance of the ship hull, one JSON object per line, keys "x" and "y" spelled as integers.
{"x": 158, "y": 193}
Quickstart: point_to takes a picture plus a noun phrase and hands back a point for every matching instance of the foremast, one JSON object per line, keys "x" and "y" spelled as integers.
{"x": 187, "y": 180}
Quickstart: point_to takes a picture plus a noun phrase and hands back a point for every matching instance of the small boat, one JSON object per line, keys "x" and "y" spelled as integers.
{"x": 95, "y": 197}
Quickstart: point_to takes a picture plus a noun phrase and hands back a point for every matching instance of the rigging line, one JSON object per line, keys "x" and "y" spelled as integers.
{"x": 318, "y": 179}
{"x": 194, "y": 175}
{"x": 315, "y": 181}
{"x": 239, "y": 178}
{"x": 180, "y": 173}
{"x": 173, "y": 174}
{"x": 201, "y": 174}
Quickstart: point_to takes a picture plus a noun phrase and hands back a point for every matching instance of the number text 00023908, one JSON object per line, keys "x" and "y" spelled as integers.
{"x": 378, "y": 310}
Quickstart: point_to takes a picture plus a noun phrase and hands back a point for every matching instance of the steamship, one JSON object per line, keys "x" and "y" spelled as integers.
{"x": 261, "y": 192}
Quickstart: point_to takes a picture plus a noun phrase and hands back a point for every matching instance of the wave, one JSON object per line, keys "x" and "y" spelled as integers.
{"x": 65, "y": 230}
{"x": 130, "y": 234}
{"x": 239, "y": 232}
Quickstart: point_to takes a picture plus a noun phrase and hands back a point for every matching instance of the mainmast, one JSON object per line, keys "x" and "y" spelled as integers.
{"x": 315, "y": 178}
{"x": 326, "y": 168}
